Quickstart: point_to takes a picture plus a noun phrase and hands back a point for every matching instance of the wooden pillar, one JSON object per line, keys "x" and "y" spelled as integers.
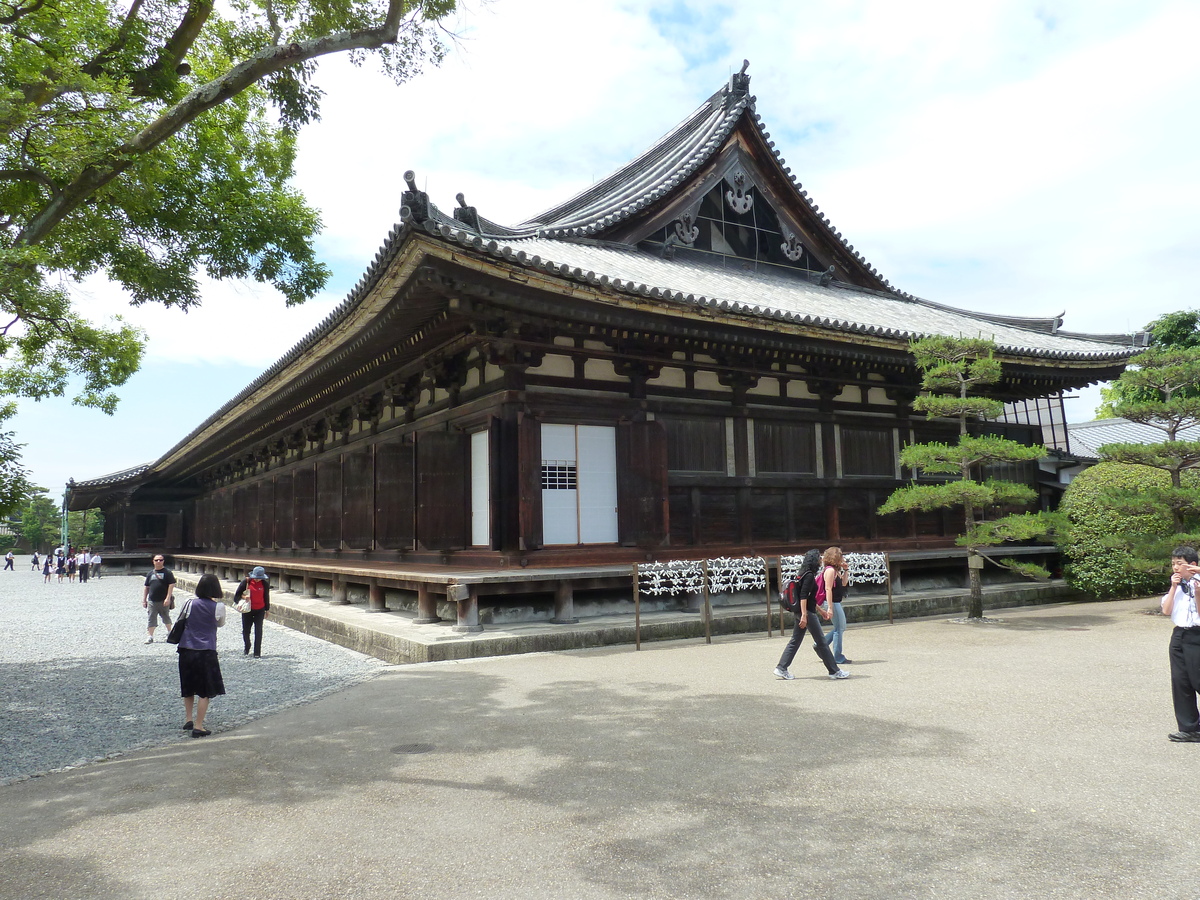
{"x": 564, "y": 604}
{"x": 376, "y": 601}
{"x": 310, "y": 586}
{"x": 340, "y": 590}
{"x": 468, "y": 608}
{"x": 427, "y": 613}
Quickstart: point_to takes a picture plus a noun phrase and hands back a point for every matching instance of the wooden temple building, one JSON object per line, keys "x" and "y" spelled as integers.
{"x": 685, "y": 360}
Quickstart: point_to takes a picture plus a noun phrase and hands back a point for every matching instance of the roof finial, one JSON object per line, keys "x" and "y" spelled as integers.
{"x": 468, "y": 215}
{"x": 414, "y": 203}
{"x": 739, "y": 82}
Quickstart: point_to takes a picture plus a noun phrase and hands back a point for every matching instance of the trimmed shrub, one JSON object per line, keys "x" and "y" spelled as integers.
{"x": 1107, "y": 549}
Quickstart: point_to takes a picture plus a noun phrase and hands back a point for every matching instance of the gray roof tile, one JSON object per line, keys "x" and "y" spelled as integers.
{"x": 1088, "y": 437}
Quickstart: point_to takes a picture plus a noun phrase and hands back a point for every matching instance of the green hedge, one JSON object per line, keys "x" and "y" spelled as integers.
{"x": 1106, "y": 548}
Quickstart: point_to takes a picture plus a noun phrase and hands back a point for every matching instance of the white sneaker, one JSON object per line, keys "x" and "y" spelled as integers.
{"x": 149, "y": 640}
{"x": 840, "y": 673}
{"x": 784, "y": 674}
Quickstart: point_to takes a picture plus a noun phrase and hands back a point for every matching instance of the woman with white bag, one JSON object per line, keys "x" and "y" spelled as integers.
{"x": 253, "y": 600}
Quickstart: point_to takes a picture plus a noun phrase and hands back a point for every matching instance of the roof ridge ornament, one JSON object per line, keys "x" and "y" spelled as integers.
{"x": 739, "y": 85}
{"x": 468, "y": 215}
{"x": 414, "y": 203}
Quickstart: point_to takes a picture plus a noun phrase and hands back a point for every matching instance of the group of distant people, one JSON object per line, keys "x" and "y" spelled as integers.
{"x": 65, "y": 562}
{"x": 199, "y": 669}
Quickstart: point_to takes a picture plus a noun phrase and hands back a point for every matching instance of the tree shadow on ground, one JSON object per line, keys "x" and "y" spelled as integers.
{"x": 645, "y": 789}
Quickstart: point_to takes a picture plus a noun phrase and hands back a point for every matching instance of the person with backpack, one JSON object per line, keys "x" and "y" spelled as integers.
{"x": 802, "y": 593}
{"x": 834, "y": 578}
{"x": 254, "y": 606}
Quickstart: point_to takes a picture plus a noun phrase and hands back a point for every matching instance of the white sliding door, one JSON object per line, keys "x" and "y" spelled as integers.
{"x": 480, "y": 491}
{"x": 579, "y": 484}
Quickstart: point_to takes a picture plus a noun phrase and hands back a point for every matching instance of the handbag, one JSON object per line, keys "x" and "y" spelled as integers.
{"x": 243, "y": 605}
{"x": 180, "y": 624}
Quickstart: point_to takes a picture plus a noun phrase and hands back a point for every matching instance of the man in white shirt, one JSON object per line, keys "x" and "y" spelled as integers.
{"x": 1180, "y": 604}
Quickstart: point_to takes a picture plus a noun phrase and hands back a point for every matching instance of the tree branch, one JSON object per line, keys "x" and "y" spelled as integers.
{"x": 195, "y": 104}
{"x": 96, "y": 64}
{"x": 176, "y": 48}
{"x": 19, "y": 11}
{"x": 29, "y": 175}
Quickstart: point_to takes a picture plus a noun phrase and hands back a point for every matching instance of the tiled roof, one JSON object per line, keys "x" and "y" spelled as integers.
{"x": 777, "y": 293}
{"x": 672, "y": 160}
{"x": 1088, "y": 437}
{"x": 636, "y": 185}
{"x": 112, "y": 479}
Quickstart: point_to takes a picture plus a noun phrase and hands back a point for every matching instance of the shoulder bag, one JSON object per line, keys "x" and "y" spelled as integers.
{"x": 180, "y": 623}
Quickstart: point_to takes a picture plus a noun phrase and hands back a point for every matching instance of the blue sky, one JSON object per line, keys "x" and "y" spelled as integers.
{"x": 1023, "y": 157}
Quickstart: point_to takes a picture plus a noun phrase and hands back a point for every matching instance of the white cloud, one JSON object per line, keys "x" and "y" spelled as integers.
{"x": 1030, "y": 156}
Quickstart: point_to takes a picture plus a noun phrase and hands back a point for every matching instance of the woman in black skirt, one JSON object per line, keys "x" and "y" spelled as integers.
{"x": 199, "y": 671}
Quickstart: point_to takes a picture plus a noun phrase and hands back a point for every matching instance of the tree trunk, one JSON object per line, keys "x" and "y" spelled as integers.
{"x": 975, "y": 603}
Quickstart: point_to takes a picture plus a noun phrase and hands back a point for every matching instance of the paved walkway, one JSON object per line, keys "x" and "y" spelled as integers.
{"x": 1021, "y": 759}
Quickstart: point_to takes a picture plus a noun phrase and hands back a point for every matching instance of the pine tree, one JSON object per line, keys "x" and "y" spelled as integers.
{"x": 953, "y": 369}
{"x": 1160, "y": 389}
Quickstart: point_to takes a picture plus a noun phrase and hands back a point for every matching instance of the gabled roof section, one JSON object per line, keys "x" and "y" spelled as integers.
{"x": 720, "y": 149}
{"x": 662, "y": 168}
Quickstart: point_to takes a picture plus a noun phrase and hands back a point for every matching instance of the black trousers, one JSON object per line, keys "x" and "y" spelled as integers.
{"x": 83, "y": 572}
{"x": 1185, "y": 676}
{"x": 820, "y": 645}
{"x": 253, "y": 620}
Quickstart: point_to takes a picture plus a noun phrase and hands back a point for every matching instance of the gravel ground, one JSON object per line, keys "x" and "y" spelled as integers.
{"x": 78, "y": 685}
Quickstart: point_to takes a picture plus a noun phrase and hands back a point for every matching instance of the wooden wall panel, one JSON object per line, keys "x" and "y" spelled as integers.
{"x": 237, "y": 529}
{"x": 719, "y": 518}
{"x": 769, "y": 515}
{"x": 395, "y": 527}
{"x": 304, "y": 500}
{"x": 358, "y": 499}
{"x": 529, "y": 478}
{"x": 284, "y": 513}
{"x": 442, "y": 490}
{"x": 683, "y": 528}
{"x": 643, "y": 511}
{"x": 329, "y": 502}
{"x": 266, "y": 513}
{"x": 808, "y": 516}
{"x": 250, "y": 512}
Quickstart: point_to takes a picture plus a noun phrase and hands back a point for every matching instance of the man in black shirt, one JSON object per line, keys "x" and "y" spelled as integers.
{"x": 158, "y": 596}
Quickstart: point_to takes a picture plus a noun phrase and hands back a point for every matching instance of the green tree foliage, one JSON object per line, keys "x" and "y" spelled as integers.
{"x": 85, "y": 528}
{"x": 1114, "y": 550}
{"x": 153, "y": 140}
{"x": 1176, "y": 330}
{"x": 41, "y": 523}
{"x": 14, "y": 478}
{"x": 1159, "y": 389}
{"x": 953, "y": 369}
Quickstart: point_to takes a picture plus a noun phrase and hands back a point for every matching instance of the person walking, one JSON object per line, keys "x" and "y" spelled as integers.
{"x": 46, "y": 570}
{"x": 836, "y": 576}
{"x": 96, "y": 564}
{"x": 60, "y": 567}
{"x": 82, "y": 561}
{"x": 199, "y": 668}
{"x": 258, "y": 590}
{"x": 1184, "y": 649}
{"x": 9, "y": 562}
{"x": 35, "y": 561}
{"x": 158, "y": 595}
{"x": 806, "y": 620}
